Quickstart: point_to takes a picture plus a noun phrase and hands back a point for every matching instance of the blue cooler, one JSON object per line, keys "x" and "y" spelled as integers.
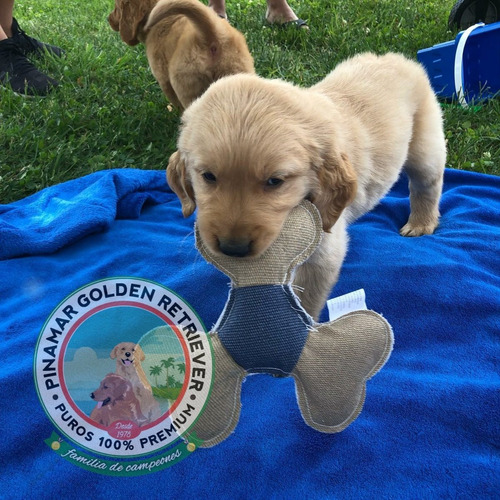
{"x": 467, "y": 68}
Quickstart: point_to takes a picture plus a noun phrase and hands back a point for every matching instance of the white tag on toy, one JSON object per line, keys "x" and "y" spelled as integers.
{"x": 354, "y": 301}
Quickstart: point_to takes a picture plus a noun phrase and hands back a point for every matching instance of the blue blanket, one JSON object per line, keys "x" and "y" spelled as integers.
{"x": 430, "y": 424}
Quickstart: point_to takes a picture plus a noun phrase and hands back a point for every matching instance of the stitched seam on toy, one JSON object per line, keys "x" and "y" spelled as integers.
{"x": 389, "y": 339}
{"x": 226, "y": 313}
{"x": 266, "y": 370}
{"x": 219, "y": 266}
{"x": 389, "y": 342}
{"x": 342, "y": 425}
{"x": 203, "y": 249}
{"x": 318, "y": 425}
{"x": 294, "y": 302}
{"x": 313, "y": 244}
{"x": 235, "y": 410}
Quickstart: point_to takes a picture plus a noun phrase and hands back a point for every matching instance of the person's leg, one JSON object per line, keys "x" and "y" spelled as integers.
{"x": 219, "y": 6}
{"x": 6, "y": 8}
{"x": 279, "y": 12}
{"x": 9, "y": 28}
{"x": 16, "y": 71}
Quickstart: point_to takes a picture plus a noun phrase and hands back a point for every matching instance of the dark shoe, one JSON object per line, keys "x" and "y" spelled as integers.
{"x": 17, "y": 72}
{"x": 32, "y": 46}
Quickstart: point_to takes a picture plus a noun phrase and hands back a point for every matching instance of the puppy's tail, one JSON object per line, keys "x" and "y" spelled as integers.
{"x": 199, "y": 14}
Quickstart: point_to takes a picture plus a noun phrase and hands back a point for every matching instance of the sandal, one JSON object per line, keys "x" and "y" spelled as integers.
{"x": 296, "y": 23}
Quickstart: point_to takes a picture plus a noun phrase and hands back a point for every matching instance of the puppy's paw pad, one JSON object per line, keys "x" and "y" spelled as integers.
{"x": 410, "y": 229}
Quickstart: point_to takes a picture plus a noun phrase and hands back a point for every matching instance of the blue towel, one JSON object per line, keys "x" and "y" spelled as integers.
{"x": 430, "y": 424}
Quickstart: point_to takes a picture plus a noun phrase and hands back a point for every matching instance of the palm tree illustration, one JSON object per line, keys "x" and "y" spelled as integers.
{"x": 167, "y": 363}
{"x": 155, "y": 371}
{"x": 171, "y": 381}
{"x": 181, "y": 367}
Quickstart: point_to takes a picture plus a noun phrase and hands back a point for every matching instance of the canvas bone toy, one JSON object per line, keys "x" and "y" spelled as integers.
{"x": 264, "y": 329}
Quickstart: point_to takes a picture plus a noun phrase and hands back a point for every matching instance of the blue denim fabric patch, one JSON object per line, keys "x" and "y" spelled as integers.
{"x": 264, "y": 328}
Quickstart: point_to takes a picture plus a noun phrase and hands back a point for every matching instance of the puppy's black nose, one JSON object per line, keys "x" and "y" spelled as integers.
{"x": 127, "y": 354}
{"x": 92, "y": 396}
{"x": 235, "y": 248}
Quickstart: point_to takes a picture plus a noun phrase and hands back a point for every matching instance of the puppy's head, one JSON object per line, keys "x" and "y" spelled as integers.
{"x": 129, "y": 17}
{"x": 249, "y": 151}
{"x": 111, "y": 389}
{"x": 127, "y": 353}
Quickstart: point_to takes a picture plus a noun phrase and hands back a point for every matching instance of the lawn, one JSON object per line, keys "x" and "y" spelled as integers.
{"x": 109, "y": 111}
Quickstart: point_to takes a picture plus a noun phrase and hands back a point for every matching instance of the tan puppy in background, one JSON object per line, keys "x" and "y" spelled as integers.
{"x": 129, "y": 357}
{"x": 251, "y": 149}
{"x": 187, "y": 45}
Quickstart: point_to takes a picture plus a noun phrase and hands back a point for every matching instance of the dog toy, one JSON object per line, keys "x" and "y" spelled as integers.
{"x": 264, "y": 329}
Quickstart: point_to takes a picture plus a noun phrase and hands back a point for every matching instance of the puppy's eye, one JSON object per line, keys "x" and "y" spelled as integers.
{"x": 209, "y": 177}
{"x": 274, "y": 182}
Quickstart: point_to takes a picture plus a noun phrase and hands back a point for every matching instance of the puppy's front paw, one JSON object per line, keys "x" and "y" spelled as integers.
{"x": 411, "y": 229}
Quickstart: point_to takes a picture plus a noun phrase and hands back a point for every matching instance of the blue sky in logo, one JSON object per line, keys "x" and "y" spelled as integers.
{"x": 111, "y": 326}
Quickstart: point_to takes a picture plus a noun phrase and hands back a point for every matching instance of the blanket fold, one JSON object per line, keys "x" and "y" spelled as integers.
{"x": 63, "y": 214}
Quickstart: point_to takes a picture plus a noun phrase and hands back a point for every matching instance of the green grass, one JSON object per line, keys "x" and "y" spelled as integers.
{"x": 171, "y": 393}
{"x": 109, "y": 111}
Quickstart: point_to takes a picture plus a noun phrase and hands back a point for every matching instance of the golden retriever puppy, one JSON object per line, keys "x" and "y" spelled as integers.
{"x": 188, "y": 46}
{"x": 116, "y": 401}
{"x": 129, "y": 357}
{"x": 251, "y": 149}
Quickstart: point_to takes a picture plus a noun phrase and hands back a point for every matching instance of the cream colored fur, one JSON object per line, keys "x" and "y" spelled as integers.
{"x": 129, "y": 357}
{"x": 251, "y": 149}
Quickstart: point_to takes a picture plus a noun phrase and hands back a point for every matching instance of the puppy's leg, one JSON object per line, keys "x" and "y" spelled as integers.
{"x": 425, "y": 168}
{"x": 188, "y": 85}
{"x": 169, "y": 92}
{"x": 316, "y": 277}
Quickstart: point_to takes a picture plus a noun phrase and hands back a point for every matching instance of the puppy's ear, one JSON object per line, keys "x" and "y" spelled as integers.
{"x": 139, "y": 352}
{"x": 114, "y": 17}
{"x": 336, "y": 190}
{"x": 113, "y": 353}
{"x": 133, "y": 15}
{"x": 180, "y": 184}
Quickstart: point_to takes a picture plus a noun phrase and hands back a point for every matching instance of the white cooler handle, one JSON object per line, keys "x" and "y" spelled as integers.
{"x": 459, "y": 69}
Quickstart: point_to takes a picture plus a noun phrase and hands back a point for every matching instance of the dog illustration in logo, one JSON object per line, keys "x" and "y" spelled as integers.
{"x": 116, "y": 401}
{"x": 128, "y": 357}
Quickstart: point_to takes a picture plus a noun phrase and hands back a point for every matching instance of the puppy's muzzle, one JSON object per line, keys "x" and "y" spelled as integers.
{"x": 127, "y": 360}
{"x": 235, "y": 248}
{"x": 100, "y": 404}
